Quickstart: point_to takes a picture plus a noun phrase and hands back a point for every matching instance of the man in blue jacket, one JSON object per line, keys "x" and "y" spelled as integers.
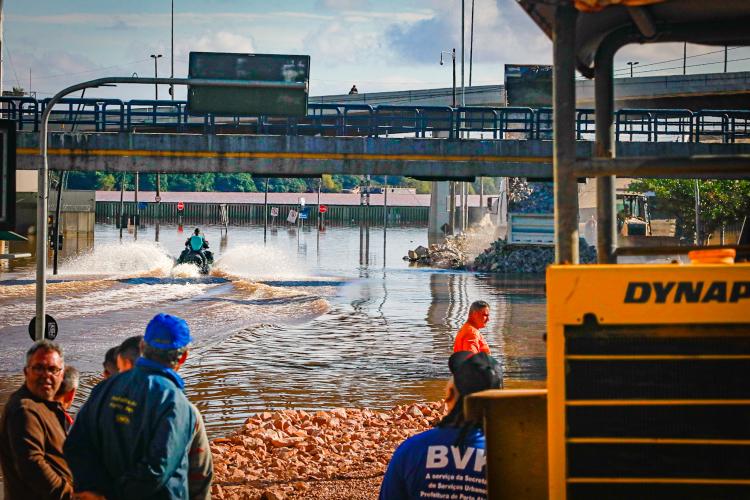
{"x": 447, "y": 461}
{"x": 130, "y": 439}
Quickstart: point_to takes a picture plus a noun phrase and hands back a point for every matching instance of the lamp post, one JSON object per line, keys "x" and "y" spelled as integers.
{"x": 453, "y": 58}
{"x": 156, "y": 75}
{"x": 631, "y": 64}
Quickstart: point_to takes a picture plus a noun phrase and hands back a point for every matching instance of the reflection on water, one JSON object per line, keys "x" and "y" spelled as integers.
{"x": 310, "y": 320}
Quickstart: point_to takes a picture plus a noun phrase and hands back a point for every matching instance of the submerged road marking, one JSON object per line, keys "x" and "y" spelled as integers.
{"x": 282, "y": 155}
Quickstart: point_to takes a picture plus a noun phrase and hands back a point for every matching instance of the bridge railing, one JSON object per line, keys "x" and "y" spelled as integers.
{"x": 722, "y": 125}
{"x": 358, "y": 120}
{"x": 23, "y": 110}
{"x": 342, "y": 119}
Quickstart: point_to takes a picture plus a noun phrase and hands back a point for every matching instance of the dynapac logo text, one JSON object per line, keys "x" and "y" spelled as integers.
{"x": 691, "y": 292}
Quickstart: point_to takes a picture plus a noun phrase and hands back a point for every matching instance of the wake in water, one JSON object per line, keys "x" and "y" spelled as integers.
{"x": 120, "y": 259}
{"x": 259, "y": 263}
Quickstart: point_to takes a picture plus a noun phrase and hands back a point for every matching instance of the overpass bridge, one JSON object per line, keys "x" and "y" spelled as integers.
{"x": 427, "y": 142}
{"x": 701, "y": 91}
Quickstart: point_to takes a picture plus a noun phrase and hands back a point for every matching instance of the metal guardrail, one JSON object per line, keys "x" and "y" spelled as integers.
{"x": 331, "y": 119}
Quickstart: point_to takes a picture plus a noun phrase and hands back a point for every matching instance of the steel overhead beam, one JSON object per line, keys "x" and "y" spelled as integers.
{"x": 691, "y": 167}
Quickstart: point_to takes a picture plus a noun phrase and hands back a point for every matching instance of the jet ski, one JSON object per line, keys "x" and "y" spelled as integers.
{"x": 203, "y": 259}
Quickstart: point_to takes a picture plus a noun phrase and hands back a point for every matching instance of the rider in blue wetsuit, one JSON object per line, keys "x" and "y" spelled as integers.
{"x": 197, "y": 243}
{"x": 447, "y": 461}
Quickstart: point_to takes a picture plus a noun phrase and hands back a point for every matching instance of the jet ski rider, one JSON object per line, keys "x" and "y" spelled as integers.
{"x": 197, "y": 243}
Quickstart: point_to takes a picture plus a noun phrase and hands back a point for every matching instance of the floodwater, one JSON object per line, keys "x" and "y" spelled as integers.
{"x": 309, "y": 320}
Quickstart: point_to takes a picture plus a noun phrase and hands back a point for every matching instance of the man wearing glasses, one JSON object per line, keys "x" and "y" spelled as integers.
{"x": 32, "y": 430}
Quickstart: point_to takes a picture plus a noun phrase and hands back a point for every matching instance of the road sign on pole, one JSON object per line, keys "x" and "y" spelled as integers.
{"x": 50, "y": 328}
{"x": 180, "y": 206}
{"x": 322, "y": 209}
{"x": 274, "y": 211}
{"x": 292, "y": 217}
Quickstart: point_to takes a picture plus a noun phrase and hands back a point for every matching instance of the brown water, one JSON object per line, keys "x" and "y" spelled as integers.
{"x": 309, "y": 320}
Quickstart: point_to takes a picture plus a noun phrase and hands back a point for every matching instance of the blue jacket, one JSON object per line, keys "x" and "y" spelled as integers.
{"x": 130, "y": 439}
{"x": 430, "y": 465}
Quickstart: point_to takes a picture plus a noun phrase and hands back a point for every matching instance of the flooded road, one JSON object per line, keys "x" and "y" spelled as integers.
{"x": 309, "y": 320}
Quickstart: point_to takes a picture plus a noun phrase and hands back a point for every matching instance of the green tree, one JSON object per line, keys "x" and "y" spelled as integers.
{"x": 105, "y": 182}
{"x": 330, "y": 185}
{"x": 242, "y": 182}
{"x": 722, "y": 202}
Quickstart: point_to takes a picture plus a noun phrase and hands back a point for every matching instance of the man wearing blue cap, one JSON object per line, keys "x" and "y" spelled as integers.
{"x": 130, "y": 439}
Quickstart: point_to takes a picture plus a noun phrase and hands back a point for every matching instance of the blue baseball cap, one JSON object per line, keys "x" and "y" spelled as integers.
{"x": 167, "y": 332}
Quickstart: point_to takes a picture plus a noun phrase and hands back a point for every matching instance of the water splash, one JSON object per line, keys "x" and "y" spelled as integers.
{"x": 256, "y": 262}
{"x": 120, "y": 259}
{"x": 185, "y": 271}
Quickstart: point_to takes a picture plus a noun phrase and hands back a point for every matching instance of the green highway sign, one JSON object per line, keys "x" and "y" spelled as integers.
{"x": 282, "y": 84}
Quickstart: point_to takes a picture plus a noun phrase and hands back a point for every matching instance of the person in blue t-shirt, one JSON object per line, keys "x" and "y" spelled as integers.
{"x": 447, "y": 461}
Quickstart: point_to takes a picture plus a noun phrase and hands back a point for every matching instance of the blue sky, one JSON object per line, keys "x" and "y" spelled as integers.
{"x": 377, "y": 45}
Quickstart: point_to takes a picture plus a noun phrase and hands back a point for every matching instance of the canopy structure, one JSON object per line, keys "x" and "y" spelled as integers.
{"x": 614, "y": 23}
{"x": 586, "y": 35}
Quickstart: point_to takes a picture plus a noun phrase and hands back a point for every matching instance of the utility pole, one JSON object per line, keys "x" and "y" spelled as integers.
{"x": 1, "y": 47}
{"x": 631, "y": 64}
{"x": 171, "y": 55}
{"x": 471, "y": 43}
{"x": 463, "y": 53}
{"x": 726, "y": 49}
{"x": 684, "y": 58}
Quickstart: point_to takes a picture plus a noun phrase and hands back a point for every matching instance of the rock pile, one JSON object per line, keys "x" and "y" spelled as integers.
{"x": 299, "y": 454}
{"x": 447, "y": 255}
{"x": 503, "y": 258}
{"x": 531, "y": 198}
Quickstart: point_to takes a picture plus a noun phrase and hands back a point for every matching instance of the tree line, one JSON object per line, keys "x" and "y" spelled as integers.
{"x": 247, "y": 183}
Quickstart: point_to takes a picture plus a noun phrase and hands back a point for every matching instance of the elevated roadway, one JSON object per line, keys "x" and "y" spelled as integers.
{"x": 701, "y": 91}
{"x": 290, "y": 156}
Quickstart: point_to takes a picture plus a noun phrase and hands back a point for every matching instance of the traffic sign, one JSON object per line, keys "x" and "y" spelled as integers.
{"x": 157, "y": 199}
{"x": 282, "y": 84}
{"x": 292, "y": 217}
{"x": 322, "y": 209}
{"x": 180, "y": 206}
{"x": 50, "y": 328}
{"x": 303, "y": 215}
{"x": 274, "y": 211}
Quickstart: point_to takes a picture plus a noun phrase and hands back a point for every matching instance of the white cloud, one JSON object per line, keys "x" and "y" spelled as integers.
{"x": 223, "y": 41}
{"x": 339, "y": 5}
{"x": 338, "y": 43}
{"x": 503, "y": 33}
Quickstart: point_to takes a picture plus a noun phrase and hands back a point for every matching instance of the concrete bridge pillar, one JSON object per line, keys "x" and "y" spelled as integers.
{"x": 439, "y": 215}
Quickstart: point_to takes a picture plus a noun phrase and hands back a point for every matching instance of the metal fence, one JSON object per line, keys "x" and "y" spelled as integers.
{"x": 249, "y": 213}
{"x": 330, "y": 119}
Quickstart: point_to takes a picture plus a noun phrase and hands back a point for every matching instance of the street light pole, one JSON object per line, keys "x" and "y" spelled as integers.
{"x": 156, "y": 75}
{"x": 453, "y": 58}
{"x": 631, "y": 64}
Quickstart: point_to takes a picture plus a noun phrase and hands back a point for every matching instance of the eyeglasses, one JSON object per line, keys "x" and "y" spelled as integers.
{"x": 42, "y": 369}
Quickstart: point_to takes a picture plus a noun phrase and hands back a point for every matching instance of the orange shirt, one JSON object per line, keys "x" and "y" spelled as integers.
{"x": 469, "y": 339}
